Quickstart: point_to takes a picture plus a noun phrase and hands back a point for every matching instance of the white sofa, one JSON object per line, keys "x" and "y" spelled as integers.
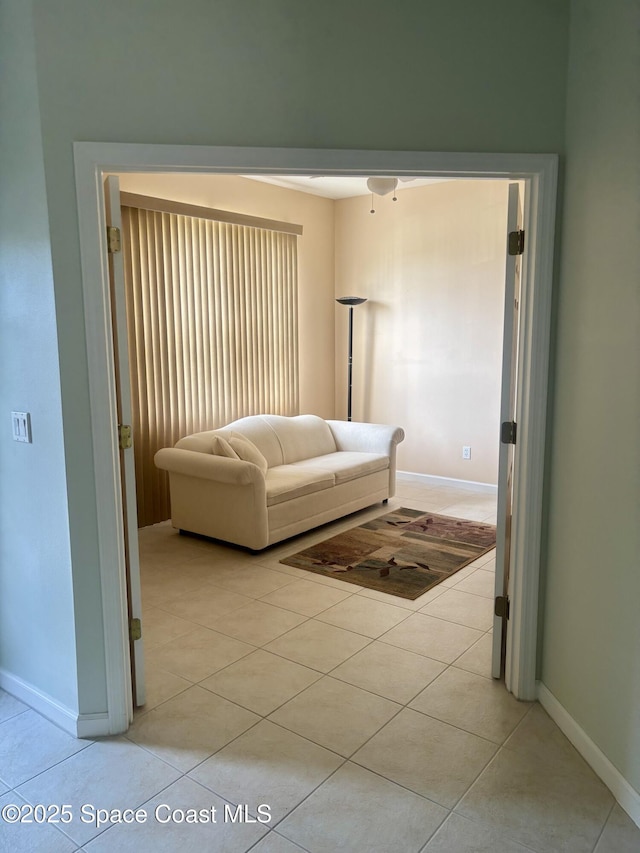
{"x": 294, "y": 473}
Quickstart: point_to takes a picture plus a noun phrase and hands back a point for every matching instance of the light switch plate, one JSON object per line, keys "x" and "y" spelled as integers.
{"x": 21, "y": 422}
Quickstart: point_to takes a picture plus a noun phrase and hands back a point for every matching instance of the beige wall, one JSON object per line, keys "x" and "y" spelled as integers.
{"x": 428, "y": 342}
{"x": 315, "y": 259}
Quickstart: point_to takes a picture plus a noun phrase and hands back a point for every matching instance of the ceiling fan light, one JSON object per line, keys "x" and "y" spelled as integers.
{"x": 382, "y": 186}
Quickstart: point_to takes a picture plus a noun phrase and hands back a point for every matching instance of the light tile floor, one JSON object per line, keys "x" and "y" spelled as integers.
{"x": 365, "y": 722}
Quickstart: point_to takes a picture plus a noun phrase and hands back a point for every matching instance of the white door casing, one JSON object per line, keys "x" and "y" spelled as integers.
{"x": 127, "y": 461}
{"x": 507, "y": 414}
{"x": 93, "y": 160}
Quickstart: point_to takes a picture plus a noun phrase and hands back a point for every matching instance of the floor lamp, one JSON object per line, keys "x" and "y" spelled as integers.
{"x": 350, "y": 301}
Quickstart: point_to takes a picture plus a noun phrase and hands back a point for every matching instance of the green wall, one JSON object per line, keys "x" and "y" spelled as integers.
{"x": 339, "y": 74}
{"x": 37, "y": 643}
{"x": 591, "y": 640}
{"x": 362, "y": 74}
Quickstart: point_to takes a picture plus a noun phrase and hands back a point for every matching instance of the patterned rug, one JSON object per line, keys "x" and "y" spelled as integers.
{"x": 403, "y": 553}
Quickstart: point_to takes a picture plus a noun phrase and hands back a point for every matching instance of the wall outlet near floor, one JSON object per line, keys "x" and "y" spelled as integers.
{"x": 466, "y": 451}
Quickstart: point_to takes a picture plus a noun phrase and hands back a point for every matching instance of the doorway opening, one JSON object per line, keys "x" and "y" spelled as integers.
{"x": 539, "y": 176}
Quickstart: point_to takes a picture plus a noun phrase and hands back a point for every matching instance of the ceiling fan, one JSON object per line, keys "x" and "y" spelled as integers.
{"x": 383, "y": 186}
{"x": 378, "y": 185}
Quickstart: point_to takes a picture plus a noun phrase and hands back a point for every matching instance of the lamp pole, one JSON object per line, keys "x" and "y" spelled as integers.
{"x": 350, "y": 301}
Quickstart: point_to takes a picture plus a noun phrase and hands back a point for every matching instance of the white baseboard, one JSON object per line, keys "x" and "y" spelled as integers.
{"x": 77, "y": 725}
{"x": 93, "y": 725}
{"x": 40, "y": 702}
{"x": 624, "y": 793}
{"x": 432, "y": 480}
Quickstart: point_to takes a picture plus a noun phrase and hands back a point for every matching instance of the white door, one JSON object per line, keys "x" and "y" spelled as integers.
{"x": 127, "y": 462}
{"x": 514, "y": 247}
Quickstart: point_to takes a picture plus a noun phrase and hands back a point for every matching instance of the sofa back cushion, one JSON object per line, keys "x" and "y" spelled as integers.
{"x": 279, "y": 439}
{"x": 260, "y": 433}
{"x": 302, "y": 437}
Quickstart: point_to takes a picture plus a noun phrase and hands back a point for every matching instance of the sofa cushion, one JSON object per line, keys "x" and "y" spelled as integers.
{"x": 279, "y": 439}
{"x": 302, "y": 437}
{"x": 345, "y": 464}
{"x": 247, "y": 450}
{"x": 200, "y": 442}
{"x": 221, "y": 447}
{"x": 257, "y": 429}
{"x": 285, "y": 482}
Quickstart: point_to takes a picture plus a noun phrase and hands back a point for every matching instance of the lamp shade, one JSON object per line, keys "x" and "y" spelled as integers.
{"x": 351, "y": 300}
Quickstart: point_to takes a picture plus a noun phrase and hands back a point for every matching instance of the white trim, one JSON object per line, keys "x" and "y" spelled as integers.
{"x": 624, "y": 792}
{"x": 93, "y": 725}
{"x": 40, "y": 702}
{"x": 531, "y": 413}
{"x": 100, "y": 357}
{"x": 434, "y": 480}
{"x": 539, "y": 171}
{"x": 77, "y": 725}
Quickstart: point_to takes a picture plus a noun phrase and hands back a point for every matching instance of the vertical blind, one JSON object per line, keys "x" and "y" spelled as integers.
{"x": 212, "y": 332}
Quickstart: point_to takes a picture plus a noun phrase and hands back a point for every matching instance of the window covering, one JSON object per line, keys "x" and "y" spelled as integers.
{"x": 212, "y": 326}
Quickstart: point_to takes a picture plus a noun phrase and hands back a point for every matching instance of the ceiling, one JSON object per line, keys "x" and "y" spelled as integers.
{"x": 335, "y": 186}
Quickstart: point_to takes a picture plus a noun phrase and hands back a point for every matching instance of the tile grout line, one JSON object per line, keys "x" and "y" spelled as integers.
{"x": 331, "y": 673}
{"x": 604, "y": 826}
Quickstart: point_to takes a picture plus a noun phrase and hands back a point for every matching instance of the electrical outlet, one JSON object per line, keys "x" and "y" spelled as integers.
{"x": 466, "y": 451}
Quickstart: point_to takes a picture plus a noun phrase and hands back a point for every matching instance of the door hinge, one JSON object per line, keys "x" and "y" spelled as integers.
{"x": 124, "y": 436}
{"x": 135, "y": 629}
{"x": 113, "y": 239}
{"x": 516, "y": 242}
{"x": 501, "y": 608}
{"x": 508, "y": 432}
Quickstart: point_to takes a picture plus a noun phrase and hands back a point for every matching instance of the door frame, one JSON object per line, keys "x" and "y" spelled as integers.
{"x": 508, "y": 400}
{"x": 94, "y": 160}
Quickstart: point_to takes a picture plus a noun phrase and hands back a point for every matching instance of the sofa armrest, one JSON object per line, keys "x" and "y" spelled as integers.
{"x": 368, "y": 438}
{"x": 207, "y": 466}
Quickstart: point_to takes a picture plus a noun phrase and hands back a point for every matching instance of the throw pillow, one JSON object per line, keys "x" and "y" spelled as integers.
{"x": 221, "y": 447}
{"x": 248, "y": 451}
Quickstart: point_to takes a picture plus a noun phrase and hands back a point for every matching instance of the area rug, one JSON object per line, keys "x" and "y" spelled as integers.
{"x": 403, "y": 553}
